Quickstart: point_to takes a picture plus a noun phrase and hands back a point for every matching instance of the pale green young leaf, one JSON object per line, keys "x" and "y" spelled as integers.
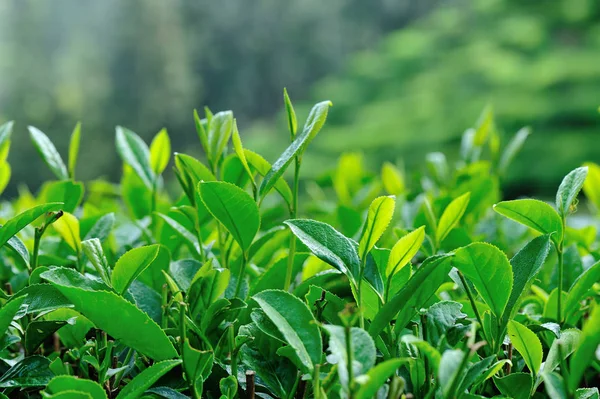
{"x": 219, "y": 132}
{"x": 485, "y": 126}
{"x": 586, "y": 352}
{"x": 451, "y": 216}
{"x": 201, "y": 128}
{"x": 489, "y": 270}
{"x": 379, "y": 217}
{"x": 135, "y": 153}
{"x": 67, "y": 226}
{"x": 131, "y": 265}
{"x": 512, "y": 148}
{"x": 92, "y": 249}
{"x": 392, "y": 179}
{"x": 233, "y": 208}
{"x": 74, "y": 149}
{"x": 160, "y": 152}
{"x": 239, "y": 151}
{"x": 262, "y": 166}
{"x": 534, "y": 214}
{"x": 144, "y": 380}
{"x": 370, "y": 383}
{"x": 591, "y": 187}
{"x": 291, "y": 114}
{"x": 295, "y": 322}
{"x": 313, "y": 125}
{"x": 48, "y": 153}
{"x": 17, "y": 223}
{"x": 568, "y": 190}
{"x": 404, "y": 250}
{"x": 527, "y": 344}
{"x": 5, "y": 134}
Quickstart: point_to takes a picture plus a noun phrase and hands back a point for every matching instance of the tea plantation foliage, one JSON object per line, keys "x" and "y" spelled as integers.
{"x": 240, "y": 285}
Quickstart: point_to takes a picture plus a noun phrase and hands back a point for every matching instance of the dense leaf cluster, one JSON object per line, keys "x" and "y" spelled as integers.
{"x": 228, "y": 290}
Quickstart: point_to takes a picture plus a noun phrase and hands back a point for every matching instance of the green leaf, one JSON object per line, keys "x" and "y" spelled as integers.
{"x": 327, "y": 244}
{"x": 591, "y": 187}
{"x": 515, "y": 385}
{"x": 16, "y": 224}
{"x": 488, "y": 269}
{"x": 450, "y": 373}
{"x": 131, "y": 265}
{"x": 41, "y": 298}
{"x": 451, "y": 216}
{"x": 527, "y": 344}
{"x": 67, "y": 191}
{"x": 135, "y": 153}
{"x": 113, "y": 314}
{"x": 19, "y": 248}
{"x": 380, "y": 215}
{"x": 586, "y": 352}
{"x": 102, "y": 228}
{"x": 181, "y": 231}
{"x": 74, "y": 149}
{"x": 534, "y": 214}
{"x": 65, "y": 383}
{"x": 568, "y": 190}
{"x": 160, "y": 152}
{"x": 441, "y": 317}
{"x": 512, "y": 148}
{"x": 219, "y": 131}
{"x": 291, "y": 114}
{"x": 239, "y": 151}
{"x": 233, "y": 208}
{"x": 48, "y": 152}
{"x": 568, "y": 342}
{"x": 376, "y": 377}
{"x": 313, "y": 125}
{"x": 404, "y": 250}
{"x": 201, "y": 126}
{"x": 146, "y": 379}
{"x": 587, "y": 393}
{"x": 580, "y": 288}
{"x": 295, "y": 322}
{"x": 555, "y": 385}
{"x": 392, "y": 179}
{"x": 67, "y": 226}
{"x": 32, "y": 371}
{"x": 8, "y": 312}
{"x": 362, "y": 348}
{"x": 262, "y": 166}
{"x": 526, "y": 264}
{"x": 413, "y": 295}
{"x": 95, "y": 254}
{"x": 197, "y": 364}
{"x": 38, "y": 330}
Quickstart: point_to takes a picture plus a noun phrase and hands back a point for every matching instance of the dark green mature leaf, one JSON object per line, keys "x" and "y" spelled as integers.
{"x": 527, "y": 344}
{"x": 379, "y": 217}
{"x": 67, "y": 383}
{"x": 197, "y": 364}
{"x": 48, "y": 152}
{"x": 327, "y": 244}
{"x": 580, "y": 287}
{"x": 586, "y": 352}
{"x": 295, "y": 322}
{"x": 488, "y": 269}
{"x": 534, "y": 214}
{"x": 32, "y": 371}
{"x": 16, "y": 224}
{"x": 135, "y": 153}
{"x": 131, "y": 265}
{"x": 313, "y": 125}
{"x": 38, "y": 330}
{"x": 41, "y": 298}
{"x": 515, "y": 385}
{"x": 569, "y": 188}
{"x": 181, "y": 231}
{"x": 526, "y": 264}
{"x": 8, "y": 312}
{"x": 376, "y": 377}
{"x": 233, "y": 208}
{"x": 146, "y": 379}
{"x": 112, "y": 313}
{"x": 415, "y": 293}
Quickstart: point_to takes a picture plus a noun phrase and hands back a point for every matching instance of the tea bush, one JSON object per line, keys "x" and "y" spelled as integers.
{"x": 238, "y": 285}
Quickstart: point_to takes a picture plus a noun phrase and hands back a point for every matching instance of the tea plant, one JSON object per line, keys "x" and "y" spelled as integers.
{"x": 240, "y": 285}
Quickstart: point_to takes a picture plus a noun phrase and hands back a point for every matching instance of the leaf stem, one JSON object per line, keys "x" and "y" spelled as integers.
{"x": 472, "y": 301}
{"x": 242, "y": 271}
{"x": 293, "y": 215}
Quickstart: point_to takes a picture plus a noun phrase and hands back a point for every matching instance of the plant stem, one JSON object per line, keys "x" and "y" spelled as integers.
{"x": 232, "y": 353}
{"x": 37, "y": 237}
{"x": 317, "y": 382}
{"x": 423, "y": 318}
{"x": 240, "y": 278}
{"x": 559, "y": 252}
{"x": 293, "y": 215}
{"x": 472, "y": 301}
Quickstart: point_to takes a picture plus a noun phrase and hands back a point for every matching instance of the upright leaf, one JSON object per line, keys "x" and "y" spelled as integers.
{"x": 569, "y": 188}
{"x": 527, "y": 344}
{"x": 262, "y": 166}
{"x": 404, "y": 250}
{"x": 591, "y": 187}
{"x": 144, "y": 380}
{"x": 93, "y": 250}
{"x": 380, "y": 215}
{"x": 313, "y": 125}
{"x": 219, "y": 131}
{"x": 8, "y": 312}
{"x": 74, "y": 149}
{"x": 580, "y": 287}
{"x": 512, "y": 148}
{"x": 233, "y": 208}
{"x": 376, "y": 377}
{"x": 131, "y": 265}
{"x": 488, "y": 269}
{"x": 587, "y": 350}
{"x": 295, "y": 322}
{"x": 451, "y": 216}
{"x": 68, "y": 228}
{"x": 48, "y": 152}
{"x": 239, "y": 151}
{"x": 291, "y": 114}
{"x": 534, "y": 214}
{"x": 160, "y": 152}
{"x": 17, "y": 223}
{"x": 135, "y": 153}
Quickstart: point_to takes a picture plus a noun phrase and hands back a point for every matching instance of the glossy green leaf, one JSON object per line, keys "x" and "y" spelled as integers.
{"x": 233, "y": 208}
{"x": 135, "y": 153}
{"x": 37, "y": 331}
{"x": 489, "y": 270}
{"x": 313, "y": 125}
{"x": 48, "y": 152}
{"x": 219, "y": 132}
{"x": 404, "y": 250}
{"x": 131, "y": 265}
{"x": 197, "y": 364}
{"x": 580, "y": 288}
{"x": 32, "y": 371}
{"x": 295, "y": 322}
{"x": 113, "y": 314}
{"x": 262, "y": 166}
{"x": 41, "y": 298}
{"x": 65, "y": 383}
{"x": 587, "y": 349}
{"x": 450, "y": 373}
{"x": 201, "y": 127}
{"x": 17, "y": 223}
{"x": 379, "y": 217}
{"x": 527, "y": 344}
{"x": 160, "y": 152}
{"x": 66, "y": 191}
{"x": 19, "y": 248}
{"x": 568, "y": 190}
{"x": 95, "y": 254}
{"x": 146, "y": 379}
{"x": 239, "y": 151}
{"x": 291, "y": 114}
{"x": 8, "y": 312}
{"x": 67, "y": 226}
{"x": 327, "y": 244}
{"x": 74, "y": 149}
{"x": 451, "y": 216}
{"x": 587, "y": 393}
{"x": 515, "y": 385}
{"x": 534, "y": 214}
{"x": 376, "y": 377}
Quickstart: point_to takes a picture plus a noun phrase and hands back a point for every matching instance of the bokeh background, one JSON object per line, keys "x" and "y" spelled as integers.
{"x": 406, "y": 77}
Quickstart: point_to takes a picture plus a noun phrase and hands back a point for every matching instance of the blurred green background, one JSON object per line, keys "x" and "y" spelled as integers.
{"x": 406, "y": 77}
